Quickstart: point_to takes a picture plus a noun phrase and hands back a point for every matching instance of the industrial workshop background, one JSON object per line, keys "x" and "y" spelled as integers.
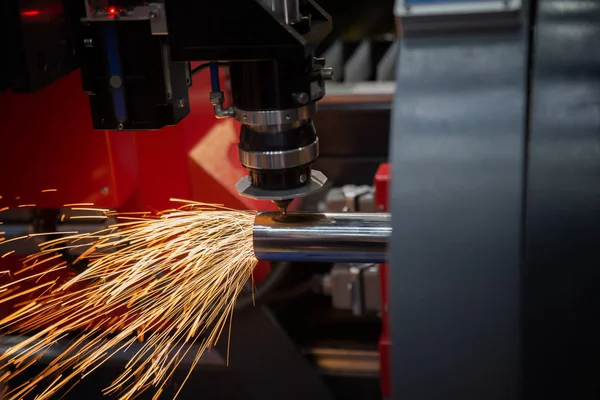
{"x": 456, "y": 148}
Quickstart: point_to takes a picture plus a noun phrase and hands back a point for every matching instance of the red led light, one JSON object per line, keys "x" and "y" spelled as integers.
{"x": 30, "y": 13}
{"x": 112, "y": 10}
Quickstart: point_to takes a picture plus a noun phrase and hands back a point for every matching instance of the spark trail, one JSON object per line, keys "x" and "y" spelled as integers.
{"x": 169, "y": 279}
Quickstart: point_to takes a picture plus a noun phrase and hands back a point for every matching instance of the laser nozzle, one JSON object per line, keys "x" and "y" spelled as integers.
{"x": 282, "y": 205}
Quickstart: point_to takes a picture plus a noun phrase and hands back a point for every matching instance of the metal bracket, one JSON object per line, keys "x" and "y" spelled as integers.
{"x": 356, "y": 288}
{"x": 352, "y": 195}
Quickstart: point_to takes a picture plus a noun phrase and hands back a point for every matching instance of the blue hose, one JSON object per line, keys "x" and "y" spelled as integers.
{"x": 215, "y": 84}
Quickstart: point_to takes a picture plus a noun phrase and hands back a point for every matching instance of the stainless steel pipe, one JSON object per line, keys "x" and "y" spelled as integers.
{"x": 331, "y": 237}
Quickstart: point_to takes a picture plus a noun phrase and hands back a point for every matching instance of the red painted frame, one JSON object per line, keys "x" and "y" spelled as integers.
{"x": 47, "y": 142}
{"x": 382, "y": 185}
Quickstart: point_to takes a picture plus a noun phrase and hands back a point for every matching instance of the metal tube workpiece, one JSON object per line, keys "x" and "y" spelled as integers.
{"x": 330, "y": 237}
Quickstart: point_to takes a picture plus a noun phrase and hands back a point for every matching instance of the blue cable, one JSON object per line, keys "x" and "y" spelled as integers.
{"x": 114, "y": 69}
{"x": 215, "y": 84}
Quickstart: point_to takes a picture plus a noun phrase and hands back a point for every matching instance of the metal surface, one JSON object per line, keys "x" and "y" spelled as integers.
{"x": 289, "y": 10}
{"x": 154, "y": 12}
{"x": 38, "y": 122}
{"x": 347, "y": 362}
{"x": 276, "y": 117}
{"x": 418, "y": 17}
{"x": 280, "y": 159}
{"x": 354, "y": 287}
{"x": 217, "y": 99}
{"x": 563, "y": 205}
{"x": 20, "y": 247}
{"x": 382, "y": 189}
{"x": 357, "y": 288}
{"x": 349, "y": 198}
{"x": 343, "y": 237}
{"x": 456, "y": 196}
{"x": 317, "y": 181}
{"x": 118, "y": 359}
{"x": 365, "y": 132}
{"x": 265, "y": 363}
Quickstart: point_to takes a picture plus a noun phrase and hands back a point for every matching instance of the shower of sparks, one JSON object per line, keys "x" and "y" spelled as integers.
{"x": 168, "y": 280}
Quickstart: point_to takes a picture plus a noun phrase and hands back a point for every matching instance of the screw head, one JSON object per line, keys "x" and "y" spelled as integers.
{"x": 120, "y": 126}
{"x": 104, "y": 191}
{"x": 152, "y": 15}
{"x": 302, "y": 178}
{"x": 301, "y": 98}
{"x": 115, "y": 82}
{"x": 180, "y": 103}
{"x": 287, "y": 116}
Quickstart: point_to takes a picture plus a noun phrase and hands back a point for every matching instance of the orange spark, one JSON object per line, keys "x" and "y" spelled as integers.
{"x": 88, "y": 217}
{"x": 169, "y": 280}
{"x": 49, "y": 190}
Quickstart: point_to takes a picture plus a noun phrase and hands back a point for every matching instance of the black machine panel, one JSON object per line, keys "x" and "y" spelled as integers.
{"x": 497, "y": 211}
{"x": 38, "y": 44}
{"x": 458, "y": 128}
{"x": 246, "y": 31}
{"x": 562, "y": 300}
{"x": 130, "y": 77}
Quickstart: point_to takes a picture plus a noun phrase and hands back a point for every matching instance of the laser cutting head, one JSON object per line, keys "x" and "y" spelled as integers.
{"x": 275, "y": 79}
{"x": 278, "y": 148}
{"x": 274, "y": 100}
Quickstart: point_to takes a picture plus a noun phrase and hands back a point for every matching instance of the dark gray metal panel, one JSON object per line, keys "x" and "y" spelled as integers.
{"x": 457, "y": 192}
{"x": 353, "y": 130}
{"x": 264, "y": 363}
{"x": 562, "y": 346}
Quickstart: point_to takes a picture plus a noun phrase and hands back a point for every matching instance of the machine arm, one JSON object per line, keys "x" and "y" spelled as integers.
{"x": 135, "y": 66}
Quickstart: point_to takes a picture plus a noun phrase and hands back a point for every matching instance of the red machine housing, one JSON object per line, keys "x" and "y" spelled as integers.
{"x": 382, "y": 184}
{"x": 51, "y": 156}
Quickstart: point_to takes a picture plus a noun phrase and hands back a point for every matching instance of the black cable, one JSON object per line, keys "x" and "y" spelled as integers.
{"x": 206, "y": 65}
{"x": 278, "y": 273}
{"x": 307, "y": 286}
